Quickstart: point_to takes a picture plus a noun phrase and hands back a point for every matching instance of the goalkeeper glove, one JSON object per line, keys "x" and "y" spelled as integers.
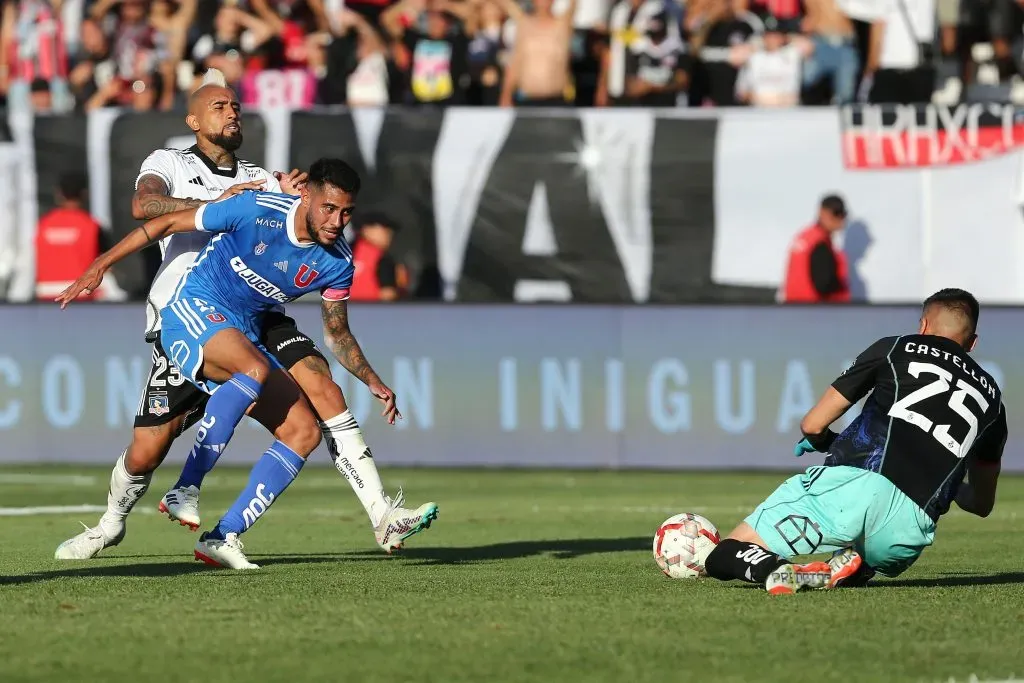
{"x": 814, "y": 442}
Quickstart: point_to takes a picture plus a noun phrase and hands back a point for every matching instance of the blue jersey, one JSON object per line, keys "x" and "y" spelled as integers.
{"x": 255, "y": 261}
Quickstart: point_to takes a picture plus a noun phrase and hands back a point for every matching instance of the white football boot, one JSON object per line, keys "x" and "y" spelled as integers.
{"x": 88, "y": 544}
{"x": 223, "y": 553}
{"x": 399, "y": 523}
{"x": 182, "y": 505}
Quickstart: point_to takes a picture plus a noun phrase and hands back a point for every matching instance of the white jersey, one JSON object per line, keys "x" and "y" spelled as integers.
{"x": 772, "y": 78}
{"x": 188, "y": 174}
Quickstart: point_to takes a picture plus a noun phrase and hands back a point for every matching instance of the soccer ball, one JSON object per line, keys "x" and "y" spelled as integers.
{"x": 682, "y": 544}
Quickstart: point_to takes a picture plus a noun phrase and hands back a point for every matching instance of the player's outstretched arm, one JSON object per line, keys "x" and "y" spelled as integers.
{"x": 816, "y": 423}
{"x": 346, "y": 349}
{"x": 140, "y": 238}
{"x": 152, "y": 198}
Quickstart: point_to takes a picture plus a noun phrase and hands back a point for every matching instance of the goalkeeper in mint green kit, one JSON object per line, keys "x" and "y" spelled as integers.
{"x": 933, "y": 417}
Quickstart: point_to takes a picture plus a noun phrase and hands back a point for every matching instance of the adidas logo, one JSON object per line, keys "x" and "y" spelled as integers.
{"x": 197, "y": 181}
{"x": 282, "y": 266}
{"x": 366, "y": 454}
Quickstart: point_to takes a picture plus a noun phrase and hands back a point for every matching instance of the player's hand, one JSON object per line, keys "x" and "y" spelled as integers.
{"x": 292, "y": 182}
{"x": 803, "y": 447}
{"x": 86, "y": 282}
{"x": 240, "y": 188}
{"x": 388, "y": 398}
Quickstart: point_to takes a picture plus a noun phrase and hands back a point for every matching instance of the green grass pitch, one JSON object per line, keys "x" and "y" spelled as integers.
{"x": 526, "y": 576}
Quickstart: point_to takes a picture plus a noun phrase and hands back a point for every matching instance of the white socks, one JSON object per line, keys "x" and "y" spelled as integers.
{"x": 125, "y": 490}
{"x": 354, "y": 461}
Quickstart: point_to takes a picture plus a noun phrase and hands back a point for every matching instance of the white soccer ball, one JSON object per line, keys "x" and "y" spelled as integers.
{"x": 682, "y": 543}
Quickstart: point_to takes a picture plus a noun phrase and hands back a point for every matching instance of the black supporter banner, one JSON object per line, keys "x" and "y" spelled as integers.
{"x": 60, "y": 148}
{"x": 580, "y": 206}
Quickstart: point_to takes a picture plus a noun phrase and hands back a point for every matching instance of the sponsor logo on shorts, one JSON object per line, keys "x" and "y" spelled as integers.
{"x": 158, "y": 403}
{"x": 293, "y": 340}
{"x": 801, "y": 534}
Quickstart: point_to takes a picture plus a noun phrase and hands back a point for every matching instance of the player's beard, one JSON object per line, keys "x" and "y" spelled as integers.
{"x": 314, "y": 234}
{"x": 227, "y": 142}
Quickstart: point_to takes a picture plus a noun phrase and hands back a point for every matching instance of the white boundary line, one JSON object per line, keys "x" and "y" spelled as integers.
{"x": 62, "y": 510}
{"x": 48, "y": 479}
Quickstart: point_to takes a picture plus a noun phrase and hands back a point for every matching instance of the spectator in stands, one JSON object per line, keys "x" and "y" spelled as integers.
{"x": 771, "y": 76}
{"x": 656, "y": 68}
{"x": 378, "y": 277}
{"x": 538, "y": 70}
{"x": 900, "y": 67}
{"x": 628, "y": 27}
{"x": 835, "y": 54}
{"x": 589, "y": 38}
{"x": 67, "y": 239}
{"x": 94, "y": 67}
{"x": 816, "y": 272}
{"x": 32, "y": 49}
{"x": 137, "y": 58}
{"x": 432, "y": 41}
{"x": 718, "y": 30}
{"x": 487, "y": 51}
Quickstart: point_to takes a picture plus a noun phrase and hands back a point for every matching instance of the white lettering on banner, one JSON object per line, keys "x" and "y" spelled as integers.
{"x": 944, "y": 136}
{"x": 122, "y": 390}
{"x": 797, "y": 396}
{"x": 670, "y": 411}
{"x": 414, "y": 388}
{"x": 614, "y": 394}
{"x": 11, "y": 374}
{"x": 508, "y": 408}
{"x": 734, "y": 423}
{"x": 560, "y": 394}
{"x": 63, "y": 391}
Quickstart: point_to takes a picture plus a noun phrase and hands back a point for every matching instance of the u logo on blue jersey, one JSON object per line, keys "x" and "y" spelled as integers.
{"x": 304, "y": 278}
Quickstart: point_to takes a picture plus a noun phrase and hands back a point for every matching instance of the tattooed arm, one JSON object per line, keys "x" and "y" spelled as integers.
{"x": 346, "y": 349}
{"x": 151, "y": 199}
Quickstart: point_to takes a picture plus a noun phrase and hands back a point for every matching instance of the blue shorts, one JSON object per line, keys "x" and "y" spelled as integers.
{"x": 186, "y": 326}
{"x": 829, "y": 508}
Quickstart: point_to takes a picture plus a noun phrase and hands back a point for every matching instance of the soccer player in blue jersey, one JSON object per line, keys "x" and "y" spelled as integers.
{"x": 268, "y": 249}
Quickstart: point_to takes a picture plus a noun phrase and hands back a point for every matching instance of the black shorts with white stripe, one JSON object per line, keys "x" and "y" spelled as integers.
{"x": 169, "y": 395}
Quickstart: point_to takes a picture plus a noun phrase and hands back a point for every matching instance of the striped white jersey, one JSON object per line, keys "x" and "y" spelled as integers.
{"x": 188, "y": 174}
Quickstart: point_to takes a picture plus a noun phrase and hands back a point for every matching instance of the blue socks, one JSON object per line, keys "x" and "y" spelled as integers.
{"x": 272, "y": 474}
{"x": 224, "y": 411}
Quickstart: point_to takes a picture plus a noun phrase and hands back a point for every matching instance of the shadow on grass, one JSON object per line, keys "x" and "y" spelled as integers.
{"x": 565, "y": 549}
{"x": 87, "y": 569}
{"x": 560, "y": 549}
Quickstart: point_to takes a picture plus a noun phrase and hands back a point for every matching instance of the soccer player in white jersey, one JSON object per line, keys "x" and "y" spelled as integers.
{"x": 173, "y": 180}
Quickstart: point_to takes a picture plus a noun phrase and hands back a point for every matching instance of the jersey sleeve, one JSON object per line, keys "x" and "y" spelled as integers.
{"x": 989, "y": 446}
{"x": 272, "y": 183}
{"x": 227, "y": 214}
{"x": 159, "y": 163}
{"x": 340, "y": 287}
{"x": 859, "y": 379}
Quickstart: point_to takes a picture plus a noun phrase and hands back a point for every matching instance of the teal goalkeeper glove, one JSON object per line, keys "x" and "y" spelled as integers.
{"x": 802, "y": 447}
{"x": 814, "y": 442}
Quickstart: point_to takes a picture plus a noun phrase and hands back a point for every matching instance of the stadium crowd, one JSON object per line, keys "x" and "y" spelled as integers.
{"x": 63, "y": 55}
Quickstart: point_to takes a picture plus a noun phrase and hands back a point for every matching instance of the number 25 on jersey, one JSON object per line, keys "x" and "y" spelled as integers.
{"x": 901, "y": 408}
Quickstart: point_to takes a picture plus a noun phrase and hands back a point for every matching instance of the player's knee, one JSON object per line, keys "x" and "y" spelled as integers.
{"x": 256, "y": 368}
{"x": 325, "y": 396}
{"x": 300, "y": 435}
{"x": 148, "y": 448}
